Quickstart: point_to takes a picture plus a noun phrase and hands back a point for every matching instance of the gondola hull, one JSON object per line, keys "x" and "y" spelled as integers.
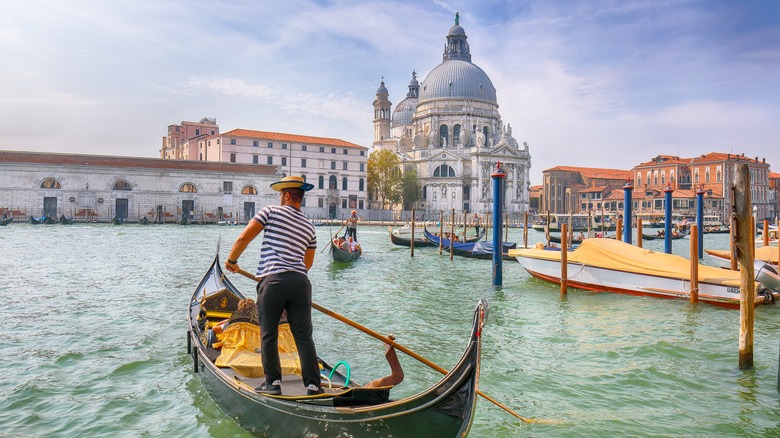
{"x": 444, "y": 410}
{"x": 6, "y": 221}
{"x": 407, "y": 241}
{"x": 340, "y": 255}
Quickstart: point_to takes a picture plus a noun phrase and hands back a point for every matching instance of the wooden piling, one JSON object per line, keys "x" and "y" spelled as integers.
{"x": 411, "y": 243}
{"x": 506, "y": 229}
{"x": 744, "y": 243}
{"x": 639, "y": 232}
{"x": 765, "y": 234}
{"x": 441, "y": 228}
{"x": 525, "y": 230}
{"x": 564, "y": 259}
{"x": 694, "y": 293}
{"x": 452, "y": 234}
{"x": 619, "y": 230}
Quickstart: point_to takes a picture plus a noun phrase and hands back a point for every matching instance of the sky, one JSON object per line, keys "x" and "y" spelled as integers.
{"x": 595, "y": 83}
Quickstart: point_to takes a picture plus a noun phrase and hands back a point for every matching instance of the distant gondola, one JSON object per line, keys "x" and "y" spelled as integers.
{"x": 34, "y": 220}
{"x": 184, "y": 221}
{"x": 675, "y": 236}
{"x": 340, "y": 255}
{"x": 6, "y": 221}
{"x": 48, "y": 220}
{"x": 476, "y": 250}
{"x": 445, "y": 409}
{"x": 144, "y": 221}
{"x": 407, "y": 241}
{"x": 557, "y": 239}
{"x": 66, "y": 220}
{"x": 118, "y": 221}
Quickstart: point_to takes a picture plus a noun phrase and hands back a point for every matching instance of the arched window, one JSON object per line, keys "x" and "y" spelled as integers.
{"x": 344, "y": 183}
{"x": 361, "y": 186}
{"x": 443, "y": 136}
{"x": 444, "y": 171}
{"x": 188, "y": 188}
{"x": 249, "y": 190}
{"x": 321, "y": 182}
{"x": 333, "y": 183}
{"x": 122, "y": 185}
{"x": 50, "y": 183}
{"x": 455, "y": 135}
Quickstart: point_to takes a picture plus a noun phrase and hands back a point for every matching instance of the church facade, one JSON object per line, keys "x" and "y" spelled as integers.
{"x": 448, "y": 129}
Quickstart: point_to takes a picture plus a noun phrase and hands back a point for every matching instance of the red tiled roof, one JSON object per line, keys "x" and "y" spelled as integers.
{"x": 291, "y": 138}
{"x": 590, "y": 172}
{"x": 134, "y": 162}
{"x": 598, "y": 189}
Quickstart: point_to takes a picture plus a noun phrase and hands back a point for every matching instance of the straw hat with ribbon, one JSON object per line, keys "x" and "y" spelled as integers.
{"x": 292, "y": 182}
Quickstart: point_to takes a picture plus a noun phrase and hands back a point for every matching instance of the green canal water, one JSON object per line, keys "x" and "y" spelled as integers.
{"x": 95, "y": 325}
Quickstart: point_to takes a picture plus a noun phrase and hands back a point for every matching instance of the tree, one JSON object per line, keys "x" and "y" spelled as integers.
{"x": 384, "y": 177}
{"x": 410, "y": 189}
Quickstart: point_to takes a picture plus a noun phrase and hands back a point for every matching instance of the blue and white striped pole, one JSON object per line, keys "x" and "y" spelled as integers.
{"x": 498, "y": 225}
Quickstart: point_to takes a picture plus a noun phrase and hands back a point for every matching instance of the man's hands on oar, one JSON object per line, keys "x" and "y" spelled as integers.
{"x": 391, "y": 342}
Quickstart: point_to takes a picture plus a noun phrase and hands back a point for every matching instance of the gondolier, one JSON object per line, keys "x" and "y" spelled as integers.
{"x": 352, "y": 225}
{"x": 286, "y": 255}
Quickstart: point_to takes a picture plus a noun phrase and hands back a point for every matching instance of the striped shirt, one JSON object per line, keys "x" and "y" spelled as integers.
{"x": 288, "y": 234}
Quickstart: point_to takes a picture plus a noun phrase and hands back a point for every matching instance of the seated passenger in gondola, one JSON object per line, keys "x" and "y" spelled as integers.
{"x": 352, "y": 245}
{"x": 396, "y": 372}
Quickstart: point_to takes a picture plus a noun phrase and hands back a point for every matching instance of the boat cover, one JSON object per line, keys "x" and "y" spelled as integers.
{"x": 486, "y": 247}
{"x": 763, "y": 253}
{"x": 620, "y": 256}
{"x": 240, "y": 340}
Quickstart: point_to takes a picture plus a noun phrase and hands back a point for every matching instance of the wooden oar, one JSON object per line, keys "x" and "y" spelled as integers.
{"x": 398, "y": 346}
{"x": 337, "y": 233}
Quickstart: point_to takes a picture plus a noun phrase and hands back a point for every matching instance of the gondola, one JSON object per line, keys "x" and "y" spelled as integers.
{"x": 557, "y": 239}
{"x": 476, "y": 250}
{"x": 184, "y": 221}
{"x": 340, "y": 255}
{"x": 407, "y": 241}
{"x": 445, "y": 409}
{"x": 65, "y": 220}
{"x": 144, "y": 221}
{"x": 657, "y": 236}
{"x": 35, "y": 221}
{"x": 118, "y": 220}
{"x": 48, "y": 220}
{"x": 6, "y": 221}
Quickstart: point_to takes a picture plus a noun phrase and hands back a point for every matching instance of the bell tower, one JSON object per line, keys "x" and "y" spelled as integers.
{"x": 382, "y": 113}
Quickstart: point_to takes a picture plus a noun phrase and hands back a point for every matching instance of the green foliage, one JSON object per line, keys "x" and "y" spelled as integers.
{"x": 410, "y": 189}
{"x": 384, "y": 177}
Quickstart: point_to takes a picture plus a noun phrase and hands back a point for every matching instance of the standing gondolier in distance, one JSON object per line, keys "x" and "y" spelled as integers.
{"x": 286, "y": 255}
{"x": 352, "y": 225}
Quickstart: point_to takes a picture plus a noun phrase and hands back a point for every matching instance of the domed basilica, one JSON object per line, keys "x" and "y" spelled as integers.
{"x": 449, "y": 130}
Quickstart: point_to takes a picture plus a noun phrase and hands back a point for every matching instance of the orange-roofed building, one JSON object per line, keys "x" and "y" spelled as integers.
{"x": 569, "y": 189}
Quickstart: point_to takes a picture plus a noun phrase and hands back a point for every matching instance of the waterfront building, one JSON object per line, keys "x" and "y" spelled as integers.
{"x": 98, "y": 188}
{"x": 570, "y": 189}
{"x": 337, "y": 168}
{"x": 448, "y": 129}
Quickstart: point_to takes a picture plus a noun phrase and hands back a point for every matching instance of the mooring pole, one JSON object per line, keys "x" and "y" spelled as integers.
{"x": 627, "y": 207}
{"x": 411, "y": 242}
{"x": 745, "y": 246}
{"x": 564, "y": 260}
{"x": 498, "y": 189}
{"x": 668, "y": 219}
{"x": 694, "y": 293}
{"x": 699, "y": 221}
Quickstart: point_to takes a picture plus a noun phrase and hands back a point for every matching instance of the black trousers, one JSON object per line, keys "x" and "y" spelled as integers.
{"x": 352, "y": 232}
{"x": 289, "y": 291}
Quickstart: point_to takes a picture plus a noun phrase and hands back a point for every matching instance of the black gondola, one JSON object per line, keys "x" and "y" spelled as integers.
{"x": 118, "y": 221}
{"x": 476, "y": 250}
{"x": 143, "y": 221}
{"x": 675, "y": 236}
{"x": 340, "y": 255}
{"x": 556, "y": 238}
{"x": 6, "y": 221}
{"x": 35, "y": 221}
{"x": 346, "y": 409}
{"x": 184, "y": 221}
{"x": 66, "y": 220}
{"x": 407, "y": 241}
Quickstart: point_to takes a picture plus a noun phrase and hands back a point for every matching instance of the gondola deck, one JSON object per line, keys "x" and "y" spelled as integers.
{"x": 445, "y": 409}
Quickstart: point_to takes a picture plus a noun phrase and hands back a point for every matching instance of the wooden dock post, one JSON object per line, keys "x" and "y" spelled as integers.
{"x": 452, "y": 233}
{"x": 441, "y": 228}
{"x": 694, "y": 293}
{"x": 765, "y": 233}
{"x": 525, "y": 229}
{"x": 744, "y": 243}
{"x": 564, "y": 259}
{"x": 411, "y": 243}
{"x": 619, "y": 230}
{"x": 639, "y": 232}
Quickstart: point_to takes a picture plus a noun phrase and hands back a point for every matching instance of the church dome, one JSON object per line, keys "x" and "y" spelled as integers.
{"x": 456, "y": 30}
{"x": 457, "y": 79}
{"x": 404, "y": 112}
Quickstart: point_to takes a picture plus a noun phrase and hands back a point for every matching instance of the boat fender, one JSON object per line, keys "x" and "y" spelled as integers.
{"x": 195, "y": 359}
{"x": 333, "y": 370}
